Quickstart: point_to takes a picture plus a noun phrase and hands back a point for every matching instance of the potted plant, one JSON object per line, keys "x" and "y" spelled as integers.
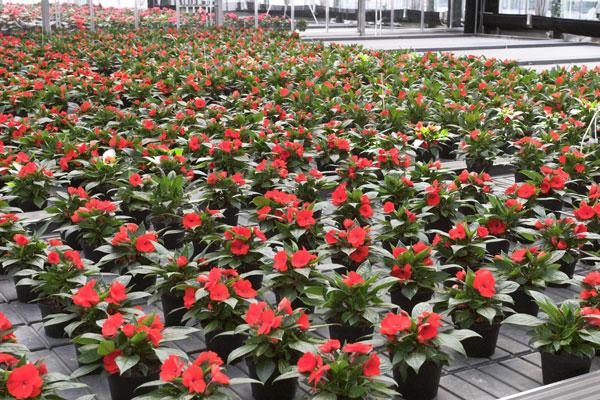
{"x": 63, "y": 206}
{"x": 400, "y": 225}
{"x": 131, "y": 249}
{"x": 198, "y": 226}
{"x": 165, "y": 201}
{"x": 532, "y": 269}
{"x": 293, "y": 270}
{"x": 276, "y": 339}
{"x": 218, "y": 299}
{"x": 309, "y": 186}
{"x": 10, "y": 225}
{"x": 477, "y": 301}
{"x": 351, "y": 204}
{"x": 348, "y": 247}
{"x": 130, "y": 350}
{"x": 24, "y": 253}
{"x": 415, "y": 273}
{"x": 98, "y": 174}
{"x": 243, "y": 248}
{"x": 418, "y": 350}
{"x": 551, "y": 184}
{"x": 503, "y": 219}
{"x": 440, "y": 203}
{"x": 92, "y": 223}
{"x": 203, "y": 378}
{"x": 430, "y": 140}
{"x": 480, "y": 150}
{"x": 133, "y": 193}
{"x": 474, "y": 188}
{"x": 22, "y": 379}
{"x": 356, "y": 171}
{"x": 529, "y": 156}
{"x": 351, "y": 304}
{"x": 31, "y": 185}
{"x": 225, "y": 192}
{"x": 349, "y": 372}
{"x": 590, "y": 290}
{"x": 566, "y": 234}
{"x": 566, "y": 336}
{"x": 63, "y": 270}
{"x": 464, "y": 245}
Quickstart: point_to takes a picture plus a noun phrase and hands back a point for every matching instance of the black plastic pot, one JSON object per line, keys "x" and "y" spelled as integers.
{"x": 223, "y": 345}
{"x": 27, "y": 205}
{"x": 558, "y": 367}
{"x": 519, "y": 177}
{"x": 524, "y": 304}
{"x": 256, "y": 281}
{"x": 138, "y": 216}
{"x": 495, "y": 248}
{"x": 443, "y": 224}
{"x": 349, "y": 334}
{"x": 231, "y": 216}
{"x": 281, "y": 390}
{"x": 484, "y": 346}
{"x": 421, "y": 386}
{"x": 478, "y": 166}
{"x": 200, "y": 247}
{"x": 56, "y": 331}
{"x": 406, "y": 304}
{"x": 25, "y": 293}
{"x": 91, "y": 253}
{"x": 72, "y": 241}
{"x": 124, "y": 387}
{"x": 569, "y": 269}
{"x": 343, "y": 259}
{"x": 173, "y": 309}
{"x": 551, "y": 205}
{"x": 140, "y": 282}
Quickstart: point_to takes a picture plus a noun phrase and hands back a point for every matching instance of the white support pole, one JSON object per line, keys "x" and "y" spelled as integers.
{"x": 293, "y": 17}
{"x": 451, "y": 14}
{"x": 136, "y": 15}
{"x": 326, "y": 15}
{"x": 422, "y": 15}
{"x": 57, "y": 13}
{"x": 219, "y": 12}
{"x": 392, "y": 5}
{"x": 46, "y": 16}
{"x": 256, "y": 14}
{"x": 92, "y": 16}
{"x": 177, "y": 15}
{"x": 362, "y": 17}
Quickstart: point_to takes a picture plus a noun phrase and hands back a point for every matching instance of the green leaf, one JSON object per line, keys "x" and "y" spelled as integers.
{"x": 415, "y": 361}
{"x": 488, "y": 313}
{"x": 265, "y": 369}
{"x": 106, "y": 347}
{"x": 125, "y": 363}
{"x": 523, "y": 319}
{"x": 240, "y": 352}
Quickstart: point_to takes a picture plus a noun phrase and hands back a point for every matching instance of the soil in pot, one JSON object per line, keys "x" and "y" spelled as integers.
{"x": 407, "y": 304}
{"x": 349, "y": 334}
{"x": 484, "y": 346}
{"x": 124, "y": 387}
{"x": 523, "y": 303}
{"x": 173, "y": 309}
{"x": 281, "y": 390}
{"x": 558, "y": 367}
{"x": 419, "y": 386}
{"x": 223, "y": 345}
{"x": 49, "y": 307}
{"x": 25, "y": 293}
{"x": 495, "y": 248}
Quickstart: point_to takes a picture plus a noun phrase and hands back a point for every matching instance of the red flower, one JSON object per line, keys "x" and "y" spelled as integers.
{"x": 302, "y": 258}
{"x": 433, "y": 199}
{"x": 144, "y": 244}
{"x": 403, "y": 273}
{"x": 496, "y": 226}
{"x": 339, "y": 196}
{"x": 189, "y": 297}
{"x": 353, "y": 279}
{"x": 304, "y": 218}
{"x": 20, "y": 239}
{"x": 518, "y": 255}
{"x": 219, "y": 292}
{"x": 53, "y": 257}
{"x": 193, "y": 379}
{"x": 239, "y": 248}
{"x": 86, "y": 296}
{"x": 366, "y": 211}
{"x": 526, "y": 190}
{"x": 394, "y": 323}
{"x": 428, "y": 325}
{"x": 171, "y": 368}
{"x": 307, "y": 363}
{"x": 460, "y": 275}
{"x": 280, "y": 259}
{"x": 482, "y": 231}
{"x": 330, "y": 346}
{"x": 109, "y": 362}
{"x": 111, "y": 324}
{"x": 359, "y": 254}
{"x": 458, "y": 232}
{"x": 191, "y": 220}
{"x": 584, "y": 212}
{"x": 303, "y": 321}
{"x": 243, "y": 288}
{"x": 24, "y": 382}
{"x": 356, "y": 236}
{"x": 262, "y": 318}
{"x": 361, "y": 348}
{"x": 592, "y": 320}
{"x": 181, "y": 261}
{"x": 117, "y": 293}
{"x": 591, "y": 279}
{"x": 371, "y": 367}
{"x": 135, "y": 180}
{"x": 388, "y": 207}
{"x": 484, "y": 282}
